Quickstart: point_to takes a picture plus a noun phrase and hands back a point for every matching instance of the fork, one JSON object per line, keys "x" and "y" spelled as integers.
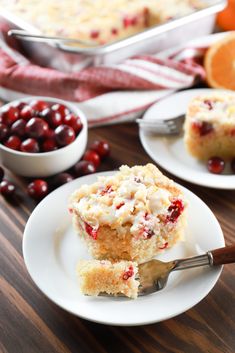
{"x": 169, "y": 126}
{"x": 153, "y": 275}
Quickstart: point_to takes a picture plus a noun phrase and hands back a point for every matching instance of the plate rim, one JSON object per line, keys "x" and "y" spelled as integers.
{"x": 132, "y": 322}
{"x": 144, "y": 141}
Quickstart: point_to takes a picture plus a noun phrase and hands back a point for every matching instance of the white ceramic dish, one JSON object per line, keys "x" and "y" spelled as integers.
{"x": 52, "y": 250}
{"x": 170, "y": 153}
{"x": 48, "y": 163}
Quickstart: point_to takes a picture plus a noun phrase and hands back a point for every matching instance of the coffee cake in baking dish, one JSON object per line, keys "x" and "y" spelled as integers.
{"x": 99, "y": 20}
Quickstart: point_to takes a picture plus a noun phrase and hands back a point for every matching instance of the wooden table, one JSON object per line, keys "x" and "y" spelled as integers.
{"x": 30, "y": 323}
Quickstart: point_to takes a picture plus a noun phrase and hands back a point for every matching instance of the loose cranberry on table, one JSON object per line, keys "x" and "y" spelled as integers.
{"x": 84, "y": 168}
{"x": 215, "y": 165}
{"x": 37, "y": 189}
{"x": 7, "y": 188}
{"x": 61, "y": 179}
{"x": 29, "y": 145}
{"x": 92, "y": 156}
{"x": 13, "y": 142}
{"x": 36, "y": 128}
{"x": 101, "y": 147}
{"x": 64, "y": 135}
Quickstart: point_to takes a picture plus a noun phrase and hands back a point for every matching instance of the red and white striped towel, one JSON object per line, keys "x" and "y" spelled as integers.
{"x": 107, "y": 94}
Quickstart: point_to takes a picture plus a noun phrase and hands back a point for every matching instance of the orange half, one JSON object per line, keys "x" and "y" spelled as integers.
{"x": 220, "y": 63}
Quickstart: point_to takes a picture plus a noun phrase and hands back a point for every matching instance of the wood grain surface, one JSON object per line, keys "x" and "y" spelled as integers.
{"x": 30, "y": 323}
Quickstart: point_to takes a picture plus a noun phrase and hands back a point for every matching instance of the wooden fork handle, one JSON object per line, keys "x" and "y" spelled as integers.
{"x": 222, "y": 256}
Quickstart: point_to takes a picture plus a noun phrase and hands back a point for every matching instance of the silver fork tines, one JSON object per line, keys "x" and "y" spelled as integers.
{"x": 170, "y": 126}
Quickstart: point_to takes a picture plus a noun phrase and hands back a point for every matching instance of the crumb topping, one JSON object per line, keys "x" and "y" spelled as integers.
{"x": 140, "y": 196}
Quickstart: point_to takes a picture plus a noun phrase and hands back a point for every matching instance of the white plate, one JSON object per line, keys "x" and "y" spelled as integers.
{"x": 51, "y": 250}
{"x": 170, "y": 153}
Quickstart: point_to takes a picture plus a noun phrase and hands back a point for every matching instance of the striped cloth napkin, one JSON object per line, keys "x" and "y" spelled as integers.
{"x": 106, "y": 94}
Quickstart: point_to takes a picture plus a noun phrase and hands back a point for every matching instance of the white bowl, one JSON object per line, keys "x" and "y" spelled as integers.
{"x": 46, "y": 163}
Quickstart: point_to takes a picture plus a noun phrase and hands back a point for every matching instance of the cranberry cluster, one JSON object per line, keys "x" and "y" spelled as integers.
{"x": 39, "y": 188}
{"x": 38, "y": 126}
{"x": 216, "y": 165}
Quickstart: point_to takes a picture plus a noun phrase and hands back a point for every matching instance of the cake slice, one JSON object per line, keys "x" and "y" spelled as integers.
{"x": 210, "y": 126}
{"x": 105, "y": 277}
{"x": 132, "y": 215}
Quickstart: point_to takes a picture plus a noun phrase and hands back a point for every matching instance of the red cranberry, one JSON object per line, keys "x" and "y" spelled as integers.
{"x": 49, "y": 145}
{"x": 1, "y": 173}
{"x": 61, "y": 179}
{"x": 37, "y": 189}
{"x": 208, "y": 103}
{"x": 233, "y": 165}
{"x": 94, "y": 34}
{"x": 61, "y": 109}
{"x": 73, "y": 121}
{"x": 50, "y": 134}
{"x": 164, "y": 246}
{"x": 27, "y": 113}
{"x": 18, "y": 127}
{"x": 203, "y": 127}
{"x": 129, "y": 21}
{"x": 107, "y": 190}
{"x": 3, "y": 132}
{"x": 9, "y": 115}
{"x": 92, "y": 156}
{"x": 19, "y": 105}
{"x": 175, "y": 210}
{"x": 54, "y": 118}
{"x": 36, "y": 128}
{"x": 13, "y": 142}
{"x": 29, "y": 145}
{"x": 39, "y": 106}
{"x": 129, "y": 273}
{"x": 101, "y": 147}
{"x": 215, "y": 165}
{"x": 64, "y": 135}
{"x": 114, "y": 31}
{"x": 84, "y": 168}
{"x": 7, "y": 189}
{"x": 93, "y": 232}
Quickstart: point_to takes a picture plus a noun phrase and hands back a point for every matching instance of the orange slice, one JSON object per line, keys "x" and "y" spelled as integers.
{"x": 226, "y": 18}
{"x": 220, "y": 63}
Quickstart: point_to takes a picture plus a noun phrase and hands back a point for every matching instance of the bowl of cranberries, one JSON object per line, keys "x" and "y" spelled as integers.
{"x": 41, "y": 136}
